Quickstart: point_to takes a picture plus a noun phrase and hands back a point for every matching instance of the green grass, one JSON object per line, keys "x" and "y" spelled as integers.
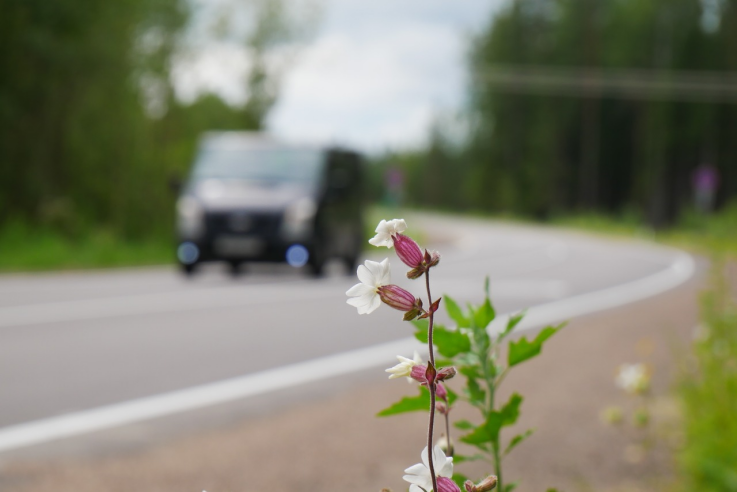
{"x": 708, "y": 235}
{"x": 23, "y": 248}
{"x": 708, "y": 394}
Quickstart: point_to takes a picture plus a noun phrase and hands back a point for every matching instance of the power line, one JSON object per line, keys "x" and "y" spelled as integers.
{"x": 672, "y": 85}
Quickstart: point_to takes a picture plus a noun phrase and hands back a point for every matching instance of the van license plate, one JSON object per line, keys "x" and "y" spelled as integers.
{"x": 238, "y": 246}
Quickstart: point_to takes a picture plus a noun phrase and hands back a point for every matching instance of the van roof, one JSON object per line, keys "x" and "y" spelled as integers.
{"x": 245, "y": 140}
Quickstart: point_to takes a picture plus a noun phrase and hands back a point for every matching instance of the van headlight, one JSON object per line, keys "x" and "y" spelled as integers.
{"x": 190, "y": 218}
{"x": 298, "y": 218}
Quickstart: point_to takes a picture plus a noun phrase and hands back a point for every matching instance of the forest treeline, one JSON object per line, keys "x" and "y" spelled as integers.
{"x": 541, "y": 142}
{"x": 91, "y": 133}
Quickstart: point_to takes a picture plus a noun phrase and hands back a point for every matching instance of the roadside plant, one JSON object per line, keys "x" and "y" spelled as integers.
{"x": 634, "y": 380}
{"x": 468, "y": 348}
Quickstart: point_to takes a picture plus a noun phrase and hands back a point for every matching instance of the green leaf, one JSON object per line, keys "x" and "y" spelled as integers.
{"x": 479, "y": 437}
{"x": 510, "y": 411}
{"x": 493, "y": 424}
{"x": 484, "y": 314}
{"x": 455, "y": 313}
{"x": 460, "y": 458}
{"x": 522, "y": 349}
{"x": 450, "y": 342}
{"x": 512, "y": 323}
{"x": 475, "y": 392}
{"x": 517, "y": 439}
{"x": 417, "y": 403}
{"x": 464, "y": 425}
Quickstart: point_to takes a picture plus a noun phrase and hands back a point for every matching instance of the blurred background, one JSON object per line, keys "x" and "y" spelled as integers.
{"x": 532, "y": 109}
{"x": 614, "y": 116}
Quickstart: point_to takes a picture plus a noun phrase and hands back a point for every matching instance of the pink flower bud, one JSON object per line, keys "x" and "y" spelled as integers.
{"x": 446, "y": 373}
{"x": 440, "y": 391}
{"x": 447, "y": 485}
{"x": 484, "y": 486}
{"x": 408, "y": 250}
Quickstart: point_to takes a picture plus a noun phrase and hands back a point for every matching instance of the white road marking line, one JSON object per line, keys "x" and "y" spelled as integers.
{"x": 40, "y": 431}
{"x": 219, "y": 297}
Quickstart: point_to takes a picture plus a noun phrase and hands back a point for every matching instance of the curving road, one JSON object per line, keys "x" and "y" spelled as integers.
{"x": 86, "y": 351}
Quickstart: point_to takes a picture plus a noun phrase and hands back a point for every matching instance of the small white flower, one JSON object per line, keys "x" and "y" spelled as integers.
{"x": 419, "y": 475}
{"x": 633, "y": 378}
{"x": 385, "y": 230}
{"x": 404, "y": 368}
{"x": 365, "y": 296}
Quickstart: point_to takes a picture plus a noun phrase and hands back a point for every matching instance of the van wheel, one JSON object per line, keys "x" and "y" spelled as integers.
{"x": 235, "y": 268}
{"x": 351, "y": 263}
{"x": 316, "y": 263}
{"x": 188, "y": 269}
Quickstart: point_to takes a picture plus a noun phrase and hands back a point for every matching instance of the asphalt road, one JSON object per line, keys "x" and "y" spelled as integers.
{"x": 71, "y": 342}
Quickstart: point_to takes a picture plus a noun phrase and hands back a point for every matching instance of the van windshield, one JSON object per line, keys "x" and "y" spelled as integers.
{"x": 290, "y": 165}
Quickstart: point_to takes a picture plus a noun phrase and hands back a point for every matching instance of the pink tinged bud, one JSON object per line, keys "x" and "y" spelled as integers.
{"x": 441, "y": 408}
{"x": 431, "y": 259}
{"x": 484, "y": 485}
{"x": 446, "y": 373}
{"x": 447, "y": 485}
{"x": 440, "y": 391}
{"x": 408, "y": 250}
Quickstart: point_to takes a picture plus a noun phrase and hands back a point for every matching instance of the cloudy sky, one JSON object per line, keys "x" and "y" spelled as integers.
{"x": 373, "y": 75}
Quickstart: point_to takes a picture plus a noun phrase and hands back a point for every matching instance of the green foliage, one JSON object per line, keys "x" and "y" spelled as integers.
{"x": 450, "y": 342}
{"x": 522, "y": 350}
{"x": 708, "y": 457}
{"x": 517, "y": 439}
{"x": 543, "y": 153}
{"x": 408, "y": 404}
{"x": 43, "y": 248}
{"x": 470, "y": 348}
{"x": 91, "y": 134}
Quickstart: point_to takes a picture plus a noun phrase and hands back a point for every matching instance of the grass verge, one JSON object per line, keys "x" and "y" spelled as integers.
{"x": 23, "y": 248}
{"x": 708, "y": 394}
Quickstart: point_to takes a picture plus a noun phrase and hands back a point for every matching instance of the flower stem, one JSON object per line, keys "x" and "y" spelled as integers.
{"x": 431, "y": 387}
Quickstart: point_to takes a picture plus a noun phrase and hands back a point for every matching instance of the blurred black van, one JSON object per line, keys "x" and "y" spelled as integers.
{"x": 252, "y": 198}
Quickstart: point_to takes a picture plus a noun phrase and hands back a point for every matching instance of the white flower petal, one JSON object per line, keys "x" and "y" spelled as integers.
{"x": 375, "y": 303}
{"x": 382, "y": 228}
{"x": 359, "y": 290}
{"x": 385, "y": 275}
{"x": 359, "y": 301}
{"x": 378, "y": 271}
{"x": 415, "y": 488}
{"x": 365, "y": 275}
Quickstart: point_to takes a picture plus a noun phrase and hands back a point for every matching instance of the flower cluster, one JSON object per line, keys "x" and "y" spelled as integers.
{"x": 436, "y": 470}
{"x": 375, "y": 278}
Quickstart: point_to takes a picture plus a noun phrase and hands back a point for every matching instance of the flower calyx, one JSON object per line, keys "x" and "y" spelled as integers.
{"x": 447, "y": 485}
{"x": 429, "y": 260}
{"x": 483, "y": 486}
{"x": 398, "y": 298}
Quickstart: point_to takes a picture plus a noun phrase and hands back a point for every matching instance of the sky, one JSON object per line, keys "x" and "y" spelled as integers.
{"x": 374, "y": 74}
